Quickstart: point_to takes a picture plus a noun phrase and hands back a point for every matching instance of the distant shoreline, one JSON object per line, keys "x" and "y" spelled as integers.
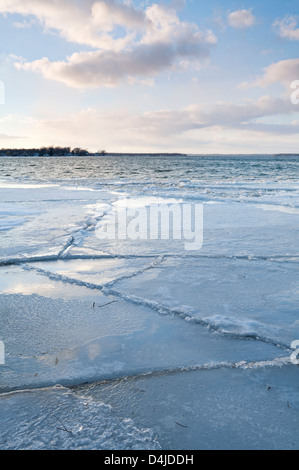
{"x": 94, "y": 155}
{"x": 23, "y": 153}
{"x": 78, "y": 152}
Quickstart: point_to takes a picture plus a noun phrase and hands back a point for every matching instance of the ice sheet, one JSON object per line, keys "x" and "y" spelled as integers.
{"x": 201, "y": 290}
{"x": 56, "y": 419}
{"x": 223, "y": 409}
{"x": 230, "y": 230}
{"x": 266, "y": 305}
{"x": 76, "y": 334}
{"x": 46, "y": 221}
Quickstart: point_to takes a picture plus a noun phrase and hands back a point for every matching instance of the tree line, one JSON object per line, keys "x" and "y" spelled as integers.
{"x": 49, "y": 152}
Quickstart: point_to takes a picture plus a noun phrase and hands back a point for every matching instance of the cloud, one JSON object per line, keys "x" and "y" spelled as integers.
{"x": 284, "y": 71}
{"x": 4, "y": 137}
{"x": 210, "y": 128}
{"x": 108, "y": 68}
{"x": 288, "y": 28}
{"x": 234, "y": 115}
{"x": 224, "y": 115}
{"x": 24, "y": 24}
{"x": 127, "y": 41}
{"x": 85, "y": 22}
{"x": 172, "y": 129}
{"x": 241, "y": 19}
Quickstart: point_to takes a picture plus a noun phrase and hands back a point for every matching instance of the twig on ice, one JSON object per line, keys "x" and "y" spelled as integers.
{"x": 182, "y": 425}
{"x": 63, "y": 426}
{"x": 109, "y": 303}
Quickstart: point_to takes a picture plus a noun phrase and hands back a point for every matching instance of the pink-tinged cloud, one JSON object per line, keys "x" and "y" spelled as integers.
{"x": 171, "y": 129}
{"x": 284, "y": 72}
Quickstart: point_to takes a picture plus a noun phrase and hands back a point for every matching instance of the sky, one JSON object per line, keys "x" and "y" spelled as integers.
{"x": 185, "y": 76}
